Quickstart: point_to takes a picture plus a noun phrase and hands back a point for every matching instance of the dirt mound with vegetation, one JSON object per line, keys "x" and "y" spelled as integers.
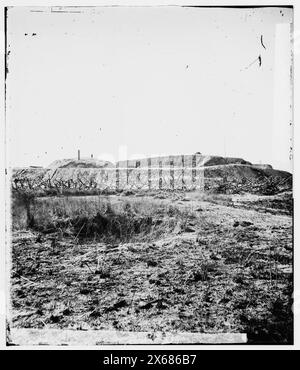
{"x": 79, "y": 163}
{"x": 221, "y": 175}
{"x": 200, "y": 161}
{"x": 211, "y": 160}
{"x": 32, "y": 174}
{"x": 234, "y": 178}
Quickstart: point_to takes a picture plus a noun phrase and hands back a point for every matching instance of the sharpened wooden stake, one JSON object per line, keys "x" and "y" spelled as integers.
{"x": 193, "y": 170}
{"x": 127, "y": 172}
{"x": 171, "y": 173}
{"x": 149, "y": 173}
{"x": 160, "y": 174}
{"x": 117, "y": 176}
{"x": 182, "y": 172}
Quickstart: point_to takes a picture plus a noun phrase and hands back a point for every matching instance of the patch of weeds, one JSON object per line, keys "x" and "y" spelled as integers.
{"x": 151, "y": 263}
{"x": 204, "y": 270}
{"x": 103, "y": 272}
{"x": 117, "y": 306}
{"x": 240, "y": 278}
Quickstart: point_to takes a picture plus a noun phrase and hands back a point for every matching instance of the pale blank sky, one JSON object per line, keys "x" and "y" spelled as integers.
{"x": 144, "y": 81}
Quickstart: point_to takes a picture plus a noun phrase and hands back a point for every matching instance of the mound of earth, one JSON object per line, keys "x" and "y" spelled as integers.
{"x": 80, "y": 163}
{"x": 221, "y": 174}
{"x": 59, "y": 170}
{"x": 201, "y": 161}
{"x": 211, "y": 160}
{"x": 263, "y": 166}
{"x": 237, "y": 178}
{"x": 28, "y": 173}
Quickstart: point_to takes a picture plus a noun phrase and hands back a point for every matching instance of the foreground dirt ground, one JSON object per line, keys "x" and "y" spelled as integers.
{"x": 226, "y": 268}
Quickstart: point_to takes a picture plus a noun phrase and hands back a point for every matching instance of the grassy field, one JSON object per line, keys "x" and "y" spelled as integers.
{"x": 166, "y": 261}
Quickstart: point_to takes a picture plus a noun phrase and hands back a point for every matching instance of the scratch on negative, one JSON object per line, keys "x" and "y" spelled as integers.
{"x": 261, "y": 41}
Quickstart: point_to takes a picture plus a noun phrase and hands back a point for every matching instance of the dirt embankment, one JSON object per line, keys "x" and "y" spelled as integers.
{"x": 218, "y": 174}
{"x": 246, "y": 179}
{"x": 80, "y": 163}
{"x": 200, "y": 160}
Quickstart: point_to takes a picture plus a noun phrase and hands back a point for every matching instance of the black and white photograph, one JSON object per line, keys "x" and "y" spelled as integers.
{"x": 149, "y": 175}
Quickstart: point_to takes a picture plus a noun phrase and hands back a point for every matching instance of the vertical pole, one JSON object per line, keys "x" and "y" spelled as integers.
{"x": 127, "y": 171}
{"x": 117, "y": 176}
{"x": 193, "y": 170}
{"x": 171, "y": 173}
{"x": 201, "y": 173}
{"x": 182, "y": 172}
{"x": 160, "y": 174}
{"x": 149, "y": 173}
{"x": 78, "y": 153}
{"x": 138, "y": 174}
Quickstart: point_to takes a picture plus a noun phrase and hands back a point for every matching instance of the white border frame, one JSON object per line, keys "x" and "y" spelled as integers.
{"x": 5, "y": 193}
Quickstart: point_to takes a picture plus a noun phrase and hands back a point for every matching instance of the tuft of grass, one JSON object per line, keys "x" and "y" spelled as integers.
{"x": 204, "y": 271}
